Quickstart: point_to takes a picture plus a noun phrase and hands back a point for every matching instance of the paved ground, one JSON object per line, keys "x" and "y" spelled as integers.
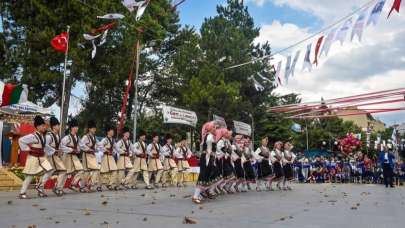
{"x": 308, "y": 205}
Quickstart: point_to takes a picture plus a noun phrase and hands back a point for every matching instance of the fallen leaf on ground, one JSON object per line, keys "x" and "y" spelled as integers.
{"x": 35, "y": 205}
{"x": 353, "y": 208}
{"x": 172, "y": 195}
{"x": 358, "y": 204}
{"x": 32, "y": 226}
{"x": 187, "y": 196}
{"x": 42, "y": 209}
{"x": 201, "y": 207}
{"x": 87, "y": 212}
{"x": 143, "y": 195}
{"x": 104, "y": 203}
{"x": 188, "y": 220}
{"x": 9, "y": 202}
{"x": 145, "y": 219}
{"x": 282, "y": 219}
{"x": 153, "y": 202}
{"x": 102, "y": 196}
{"x": 57, "y": 222}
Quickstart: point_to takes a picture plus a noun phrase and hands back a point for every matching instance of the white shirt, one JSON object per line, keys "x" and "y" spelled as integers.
{"x": 167, "y": 150}
{"x": 209, "y": 141}
{"x": 66, "y": 144}
{"x": 286, "y": 155}
{"x": 86, "y": 143}
{"x": 121, "y": 147}
{"x": 50, "y": 144}
{"x": 181, "y": 151}
{"x": 151, "y": 150}
{"x": 25, "y": 141}
{"x": 137, "y": 148}
{"x": 105, "y": 144}
{"x": 274, "y": 154}
{"x": 220, "y": 144}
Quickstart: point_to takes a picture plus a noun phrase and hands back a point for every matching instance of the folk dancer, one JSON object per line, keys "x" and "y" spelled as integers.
{"x": 36, "y": 163}
{"x": 108, "y": 165}
{"x": 140, "y": 166}
{"x": 276, "y": 157}
{"x": 238, "y": 158}
{"x": 155, "y": 166}
{"x": 88, "y": 145}
{"x": 288, "y": 161}
{"x": 169, "y": 164}
{"x": 55, "y": 155}
{"x": 123, "y": 148}
{"x": 223, "y": 153}
{"x": 250, "y": 176}
{"x": 71, "y": 149}
{"x": 264, "y": 169}
{"x": 208, "y": 147}
{"x": 181, "y": 154}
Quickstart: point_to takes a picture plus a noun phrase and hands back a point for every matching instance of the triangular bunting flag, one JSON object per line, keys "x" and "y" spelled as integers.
{"x": 328, "y": 42}
{"x": 341, "y": 34}
{"x": 307, "y": 59}
{"x": 375, "y": 13}
{"x": 278, "y": 71}
{"x": 317, "y": 47}
{"x": 395, "y": 6}
{"x": 359, "y": 25}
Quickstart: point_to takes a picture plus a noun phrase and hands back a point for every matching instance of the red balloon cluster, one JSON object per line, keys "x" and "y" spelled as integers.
{"x": 349, "y": 144}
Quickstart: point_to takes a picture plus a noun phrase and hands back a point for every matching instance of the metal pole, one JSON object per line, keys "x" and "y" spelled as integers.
{"x": 138, "y": 51}
{"x": 253, "y": 132}
{"x": 306, "y": 130}
{"x": 64, "y": 80}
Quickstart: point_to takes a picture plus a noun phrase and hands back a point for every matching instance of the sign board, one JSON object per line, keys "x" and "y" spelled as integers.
{"x": 242, "y": 128}
{"x": 179, "y": 116}
{"x": 220, "y": 120}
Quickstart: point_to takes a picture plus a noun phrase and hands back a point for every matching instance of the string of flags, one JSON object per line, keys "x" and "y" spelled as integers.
{"x": 325, "y": 41}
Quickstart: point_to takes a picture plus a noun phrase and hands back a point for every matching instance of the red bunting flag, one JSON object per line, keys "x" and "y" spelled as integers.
{"x": 104, "y": 27}
{"x": 395, "y": 6}
{"x": 60, "y": 42}
{"x": 318, "y": 46}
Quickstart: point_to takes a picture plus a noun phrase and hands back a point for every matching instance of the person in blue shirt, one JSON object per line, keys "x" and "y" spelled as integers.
{"x": 386, "y": 159}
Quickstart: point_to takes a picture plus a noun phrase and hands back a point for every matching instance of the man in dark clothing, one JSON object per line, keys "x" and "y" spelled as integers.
{"x": 387, "y": 163}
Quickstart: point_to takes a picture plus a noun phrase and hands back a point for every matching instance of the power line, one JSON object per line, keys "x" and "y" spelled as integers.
{"x": 307, "y": 38}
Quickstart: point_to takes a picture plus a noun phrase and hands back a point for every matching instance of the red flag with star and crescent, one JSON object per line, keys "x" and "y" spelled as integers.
{"x": 60, "y": 42}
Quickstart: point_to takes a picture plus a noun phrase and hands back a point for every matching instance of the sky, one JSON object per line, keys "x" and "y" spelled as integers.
{"x": 376, "y": 63}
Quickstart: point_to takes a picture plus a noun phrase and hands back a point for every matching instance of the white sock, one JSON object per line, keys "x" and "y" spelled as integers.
{"x": 197, "y": 192}
{"x": 26, "y": 183}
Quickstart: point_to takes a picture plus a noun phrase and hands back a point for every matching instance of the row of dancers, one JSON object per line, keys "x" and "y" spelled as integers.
{"x": 121, "y": 161}
{"x": 227, "y": 164}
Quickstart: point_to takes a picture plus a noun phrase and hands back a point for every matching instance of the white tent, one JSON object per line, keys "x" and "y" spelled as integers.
{"x": 26, "y": 107}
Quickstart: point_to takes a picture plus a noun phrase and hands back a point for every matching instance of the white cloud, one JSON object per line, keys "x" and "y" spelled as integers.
{"x": 281, "y": 35}
{"x": 377, "y": 63}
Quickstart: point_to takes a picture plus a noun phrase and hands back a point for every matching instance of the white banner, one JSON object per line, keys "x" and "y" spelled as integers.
{"x": 179, "y": 116}
{"x": 220, "y": 120}
{"x": 242, "y": 128}
{"x": 28, "y": 107}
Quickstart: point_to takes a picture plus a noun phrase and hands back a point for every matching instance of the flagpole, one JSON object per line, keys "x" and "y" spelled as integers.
{"x": 138, "y": 51}
{"x": 64, "y": 81}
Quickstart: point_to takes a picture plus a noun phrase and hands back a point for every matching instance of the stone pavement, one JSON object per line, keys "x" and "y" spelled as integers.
{"x": 308, "y": 205}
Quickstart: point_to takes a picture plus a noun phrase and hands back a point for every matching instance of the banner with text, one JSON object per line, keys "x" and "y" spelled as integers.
{"x": 179, "y": 116}
{"x": 242, "y": 128}
{"x": 220, "y": 120}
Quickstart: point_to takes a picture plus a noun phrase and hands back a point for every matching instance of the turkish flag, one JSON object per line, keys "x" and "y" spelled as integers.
{"x": 395, "y": 6}
{"x": 60, "y": 42}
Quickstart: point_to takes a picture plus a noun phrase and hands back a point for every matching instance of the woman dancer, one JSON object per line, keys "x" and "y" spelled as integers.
{"x": 208, "y": 144}
{"x": 264, "y": 171}
{"x": 288, "y": 160}
{"x": 276, "y": 160}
